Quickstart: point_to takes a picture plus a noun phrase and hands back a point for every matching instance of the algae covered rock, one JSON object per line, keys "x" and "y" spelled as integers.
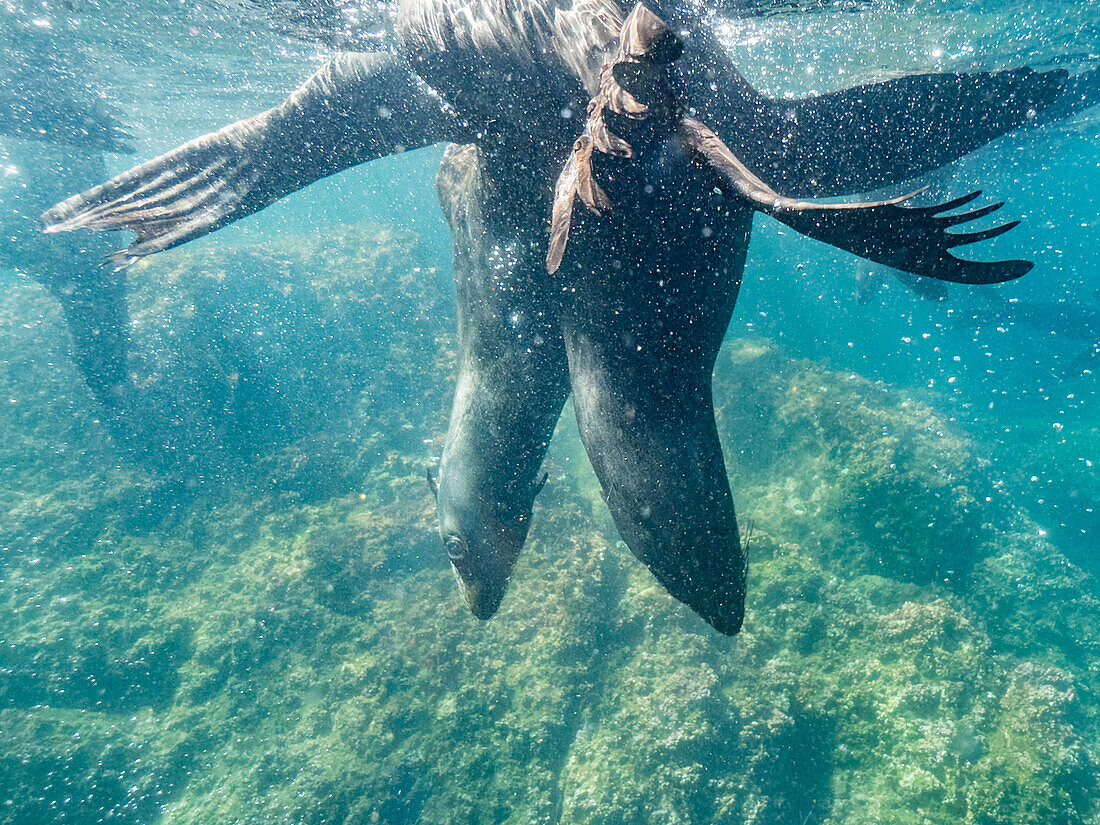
{"x": 915, "y": 500}
{"x": 288, "y": 644}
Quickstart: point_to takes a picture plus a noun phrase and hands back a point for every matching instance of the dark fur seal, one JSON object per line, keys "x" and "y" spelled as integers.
{"x": 54, "y": 130}
{"x": 512, "y": 383}
{"x": 73, "y": 268}
{"x": 636, "y": 311}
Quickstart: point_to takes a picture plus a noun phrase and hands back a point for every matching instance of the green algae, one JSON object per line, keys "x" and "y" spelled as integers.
{"x": 274, "y": 635}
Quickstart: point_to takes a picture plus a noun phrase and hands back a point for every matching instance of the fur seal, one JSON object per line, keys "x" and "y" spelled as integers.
{"x": 55, "y": 131}
{"x": 636, "y": 308}
{"x": 512, "y": 383}
{"x": 75, "y": 270}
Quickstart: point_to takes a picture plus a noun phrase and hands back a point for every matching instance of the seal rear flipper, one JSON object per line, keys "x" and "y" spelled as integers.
{"x": 96, "y": 314}
{"x": 355, "y": 108}
{"x": 911, "y": 239}
{"x": 656, "y": 452}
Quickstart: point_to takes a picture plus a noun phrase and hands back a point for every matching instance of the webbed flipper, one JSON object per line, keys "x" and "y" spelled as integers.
{"x": 575, "y": 180}
{"x": 883, "y": 133}
{"x": 72, "y": 268}
{"x": 356, "y": 108}
{"x": 912, "y": 239}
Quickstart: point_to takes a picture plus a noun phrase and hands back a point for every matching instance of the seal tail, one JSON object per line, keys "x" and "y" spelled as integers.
{"x": 911, "y": 239}
{"x": 356, "y": 108}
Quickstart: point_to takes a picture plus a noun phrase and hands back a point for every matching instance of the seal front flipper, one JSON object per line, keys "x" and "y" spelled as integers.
{"x": 648, "y": 110}
{"x": 912, "y": 239}
{"x": 884, "y": 133}
{"x": 575, "y": 180}
{"x": 644, "y": 313}
{"x": 355, "y": 108}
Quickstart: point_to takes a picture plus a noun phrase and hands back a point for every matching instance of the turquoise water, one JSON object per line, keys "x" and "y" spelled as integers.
{"x": 226, "y": 601}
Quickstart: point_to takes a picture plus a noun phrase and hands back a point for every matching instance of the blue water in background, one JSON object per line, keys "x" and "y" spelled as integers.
{"x": 1024, "y": 363}
{"x": 1014, "y": 365}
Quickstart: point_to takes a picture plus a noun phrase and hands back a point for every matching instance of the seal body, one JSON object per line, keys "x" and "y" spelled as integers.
{"x": 645, "y": 297}
{"x": 632, "y": 321}
{"x": 512, "y": 381}
{"x": 538, "y": 63}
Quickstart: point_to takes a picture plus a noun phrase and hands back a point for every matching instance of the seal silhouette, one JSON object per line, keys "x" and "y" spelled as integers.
{"x": 624, "y": 303}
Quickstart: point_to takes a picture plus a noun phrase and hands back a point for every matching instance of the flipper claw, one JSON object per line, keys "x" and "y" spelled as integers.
{"x": 964, "y": 238}
{"x": 912, "y": 239}
{"x": 973, "y": 215}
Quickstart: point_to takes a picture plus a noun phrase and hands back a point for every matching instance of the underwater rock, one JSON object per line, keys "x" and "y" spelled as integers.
{"x": 914, "y": 501}
{"x": 237, "y": 352}
{"x": 287, "y": 645}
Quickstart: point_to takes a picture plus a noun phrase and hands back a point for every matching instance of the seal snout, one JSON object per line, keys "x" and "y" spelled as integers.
{"x": 482, "y": 577}
{"x": 482, "y": 599}
{"x": 482, "y": 555}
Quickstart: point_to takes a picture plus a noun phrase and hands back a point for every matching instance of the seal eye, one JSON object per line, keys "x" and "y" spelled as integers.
{"x": 456, "y": 549}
